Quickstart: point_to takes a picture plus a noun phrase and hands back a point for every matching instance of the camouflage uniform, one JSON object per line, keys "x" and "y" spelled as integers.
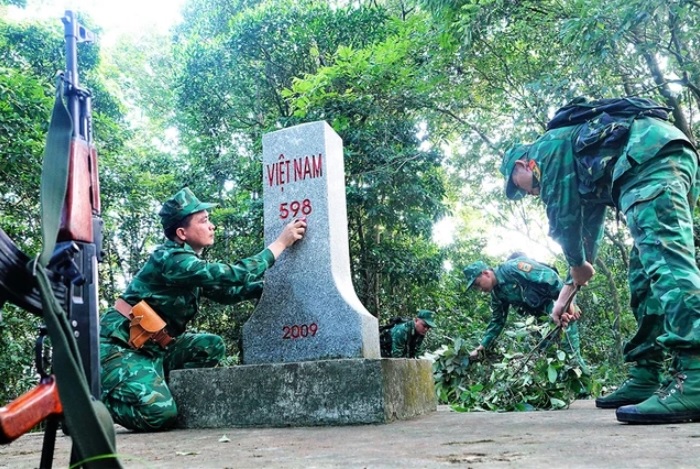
{"x": 531, "y": 287}
{"x": 406, "y": 342}
{"x": 653, "y": 181}
{"x": 134, "y": 382}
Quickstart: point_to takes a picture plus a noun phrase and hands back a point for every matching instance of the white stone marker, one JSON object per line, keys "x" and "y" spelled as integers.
{"x": 309, "y": 309}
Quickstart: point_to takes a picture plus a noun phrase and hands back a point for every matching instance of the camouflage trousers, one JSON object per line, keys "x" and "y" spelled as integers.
{"x": 134, "y": 382}
{"x": 571, "y": 343}
{"x": 657, "y": 199}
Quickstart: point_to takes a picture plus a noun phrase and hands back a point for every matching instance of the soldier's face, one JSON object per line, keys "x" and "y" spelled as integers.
{"x": 199, "y": 233}
{"x": 524, "y": 178}
{"x": 485, "y": 281}
{"x": 421, "y": 327}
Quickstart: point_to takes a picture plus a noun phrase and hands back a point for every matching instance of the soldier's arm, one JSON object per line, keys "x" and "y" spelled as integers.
{"x": 233, "y": 295}
{"x": 593, "y": 224}
{"x": 420, "y": 347}
{"x": 499, "y": 315}
{"x": 559, "y": 192}
{"x": 399, "y": 341}
{"x": 187, "y": 269}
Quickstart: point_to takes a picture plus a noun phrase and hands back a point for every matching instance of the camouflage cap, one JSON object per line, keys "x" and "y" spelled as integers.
{"x": 427, "y": 316}
{"x": 513, "y": 192}
{"x": 473, "y": 270}
{"x": 179, "y": 206}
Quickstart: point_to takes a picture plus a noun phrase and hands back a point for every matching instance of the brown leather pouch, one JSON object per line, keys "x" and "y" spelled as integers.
{"x": 146, "y": 324}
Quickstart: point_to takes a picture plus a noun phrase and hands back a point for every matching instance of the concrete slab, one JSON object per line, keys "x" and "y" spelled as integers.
{"x": 322, "y": 392}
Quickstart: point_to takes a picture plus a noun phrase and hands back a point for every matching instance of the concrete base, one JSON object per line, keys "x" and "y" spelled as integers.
{"x": 325, "y": 392}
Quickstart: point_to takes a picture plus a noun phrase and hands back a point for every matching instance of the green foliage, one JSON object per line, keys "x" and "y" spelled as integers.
{"x": 26, "y": 92}
{"x": 514, "y": 378}
{"x": 19, "y": 3}
{"x": 18, "y": 333}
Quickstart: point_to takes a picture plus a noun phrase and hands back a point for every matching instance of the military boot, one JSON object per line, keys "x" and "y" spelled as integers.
{"x": 644, "y": 379}
{"x": 677, "y": 402}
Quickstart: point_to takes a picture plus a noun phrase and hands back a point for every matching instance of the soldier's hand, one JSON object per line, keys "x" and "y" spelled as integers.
{"x": 477, "y": 353}
{"x": 292, "y": 232}
{"x": 582, "y": 273}
{"x": 574, "y": 312}
{"x": 559, "y": 316}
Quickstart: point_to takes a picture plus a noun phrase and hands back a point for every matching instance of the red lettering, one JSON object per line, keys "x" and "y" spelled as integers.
{"x": 298, "y": 171}
{"x": 270, "y": 174}
{"x": 306, "y": 207}
{"x": 295, "y": 207}
{"x": 307, "y": 167}
{"x": 318, "y": 166}
{"x": 301, "y": 331}
{"x": 284, "y": 213}
{"x": 287, "y": 171}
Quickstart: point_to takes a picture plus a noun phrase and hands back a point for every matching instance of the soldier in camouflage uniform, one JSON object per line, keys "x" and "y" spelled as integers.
{"x": 529, "y": 286}
{"x": 407, "y": 337}
{"x": 134, "y": 382}
{"x": 651, "y": 178}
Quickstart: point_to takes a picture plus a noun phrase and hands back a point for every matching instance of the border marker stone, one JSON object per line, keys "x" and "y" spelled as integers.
{"x": 309, "y": 309}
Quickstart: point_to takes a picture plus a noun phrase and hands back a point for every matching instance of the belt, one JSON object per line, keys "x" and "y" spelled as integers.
{"x": 123, "y": 307}
{"x": 161, "y": 337}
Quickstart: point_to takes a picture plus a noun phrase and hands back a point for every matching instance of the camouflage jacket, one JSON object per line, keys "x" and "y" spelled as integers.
{"x": 525, "y": 284}
{"x": 174, "y": 278}
{"x": 575, "y": 220}
{"x": 405, "y": 341}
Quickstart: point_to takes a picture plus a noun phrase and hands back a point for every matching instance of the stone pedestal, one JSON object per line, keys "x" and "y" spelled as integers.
{"x": 322, "y": 392}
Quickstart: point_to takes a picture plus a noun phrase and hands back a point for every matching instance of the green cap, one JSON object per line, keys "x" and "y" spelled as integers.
{"x": 179, "y": 206}
{"x": 513, "y": 192}
{"x": 427, "y": 316}
{"x": 473, "y": 270}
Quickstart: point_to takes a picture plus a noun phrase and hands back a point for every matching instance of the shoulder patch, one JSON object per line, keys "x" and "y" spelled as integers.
{"x": 535, "y": 169}
{"x": 524, "y": 266}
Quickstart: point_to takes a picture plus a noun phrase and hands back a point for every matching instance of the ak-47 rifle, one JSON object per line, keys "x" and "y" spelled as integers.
{"x": 64, "y": 288}
{"x": 73, "y": 266}
{"x": 79, "y": 245}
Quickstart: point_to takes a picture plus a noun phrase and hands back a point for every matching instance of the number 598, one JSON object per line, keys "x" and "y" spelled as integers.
{"x": 295, "y": 208}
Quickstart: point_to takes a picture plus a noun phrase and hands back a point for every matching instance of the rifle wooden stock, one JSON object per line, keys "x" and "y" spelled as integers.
{"x": 29, "y": 410}
{"x": 82, "y": 194}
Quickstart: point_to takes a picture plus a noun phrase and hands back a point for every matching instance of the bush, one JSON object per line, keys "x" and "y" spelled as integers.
{"x": 522, "y": 375}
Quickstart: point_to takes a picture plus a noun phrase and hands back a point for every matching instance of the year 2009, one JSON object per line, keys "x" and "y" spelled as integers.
{"x": 299, "y": 331}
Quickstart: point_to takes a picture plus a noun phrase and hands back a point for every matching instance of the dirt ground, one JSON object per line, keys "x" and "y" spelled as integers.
{"x": 579, "y": 437}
